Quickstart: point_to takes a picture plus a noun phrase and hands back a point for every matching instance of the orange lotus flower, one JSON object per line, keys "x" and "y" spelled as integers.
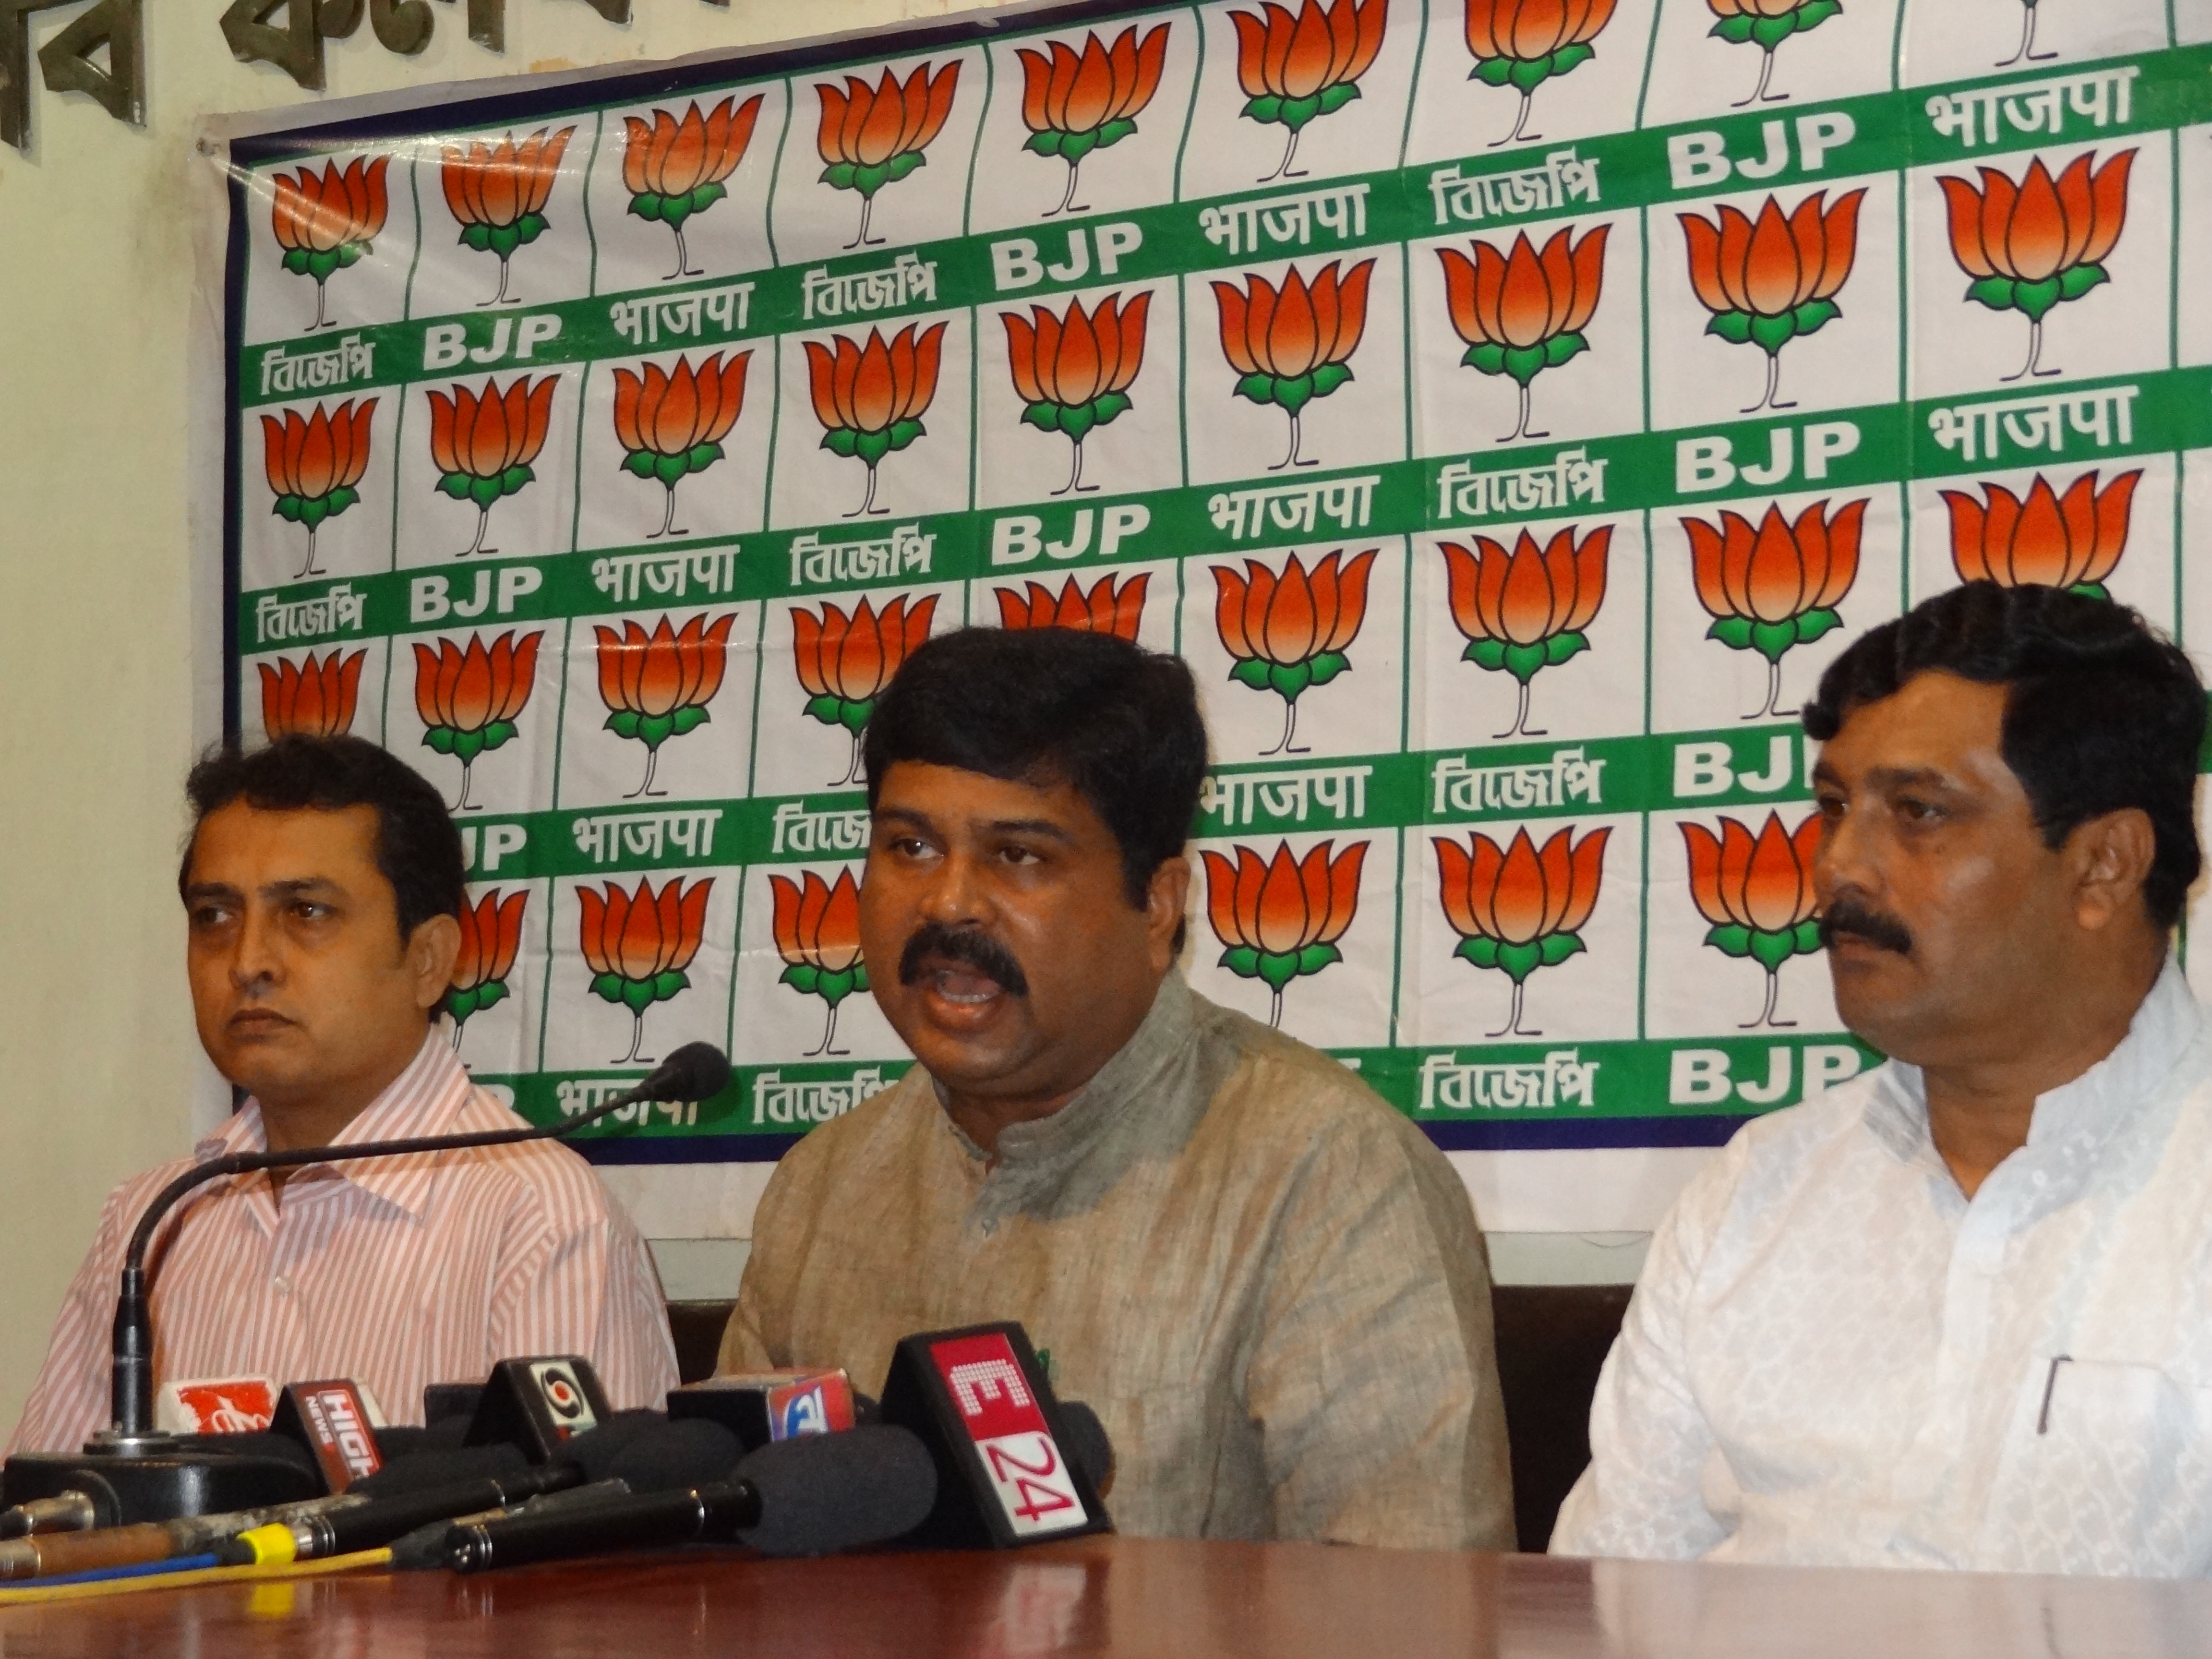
{"x": 2031, "y": 246}
{"x": 657, "y": 686}
{"x": 1522, "y": 44}
{"x": 870, "y": 398}
{"x": 325, "y": 224}
{"x": 1292, "y": 345}
{"x": 1106, "y": 609}
{"x": 314, "y": 465}
{"x": 674, "y": 168}
{"x": 1073, "y": 371}
{"x": 845, "y": 662}
{"x": 482, "y": 442}
{"x": 817, "y": 934}
{"x": 491, "y": 938}
{"x": 872, "y": 136}
{"x": 312, "y": 699}
{"x": 1295, "y": 69}
{"x": 1758, "y": 894}
{"x": 638, "y": 945}
{"x": 1073, "y": 104}
{"x": 1772, "y": 281}
{"x": 469, "y": 697}
{"x": 1523, "y": 313}
{"x": 671, "y": 426}
{"x": 1766, "y": 24}
{"x": 1775, "y": 587}
{"x": 497, "y": 193}
{"x": 2048, "y": 540}
{"x": 1525, "y": 611}
{"x": 1278, "y": 918}
{"x": 1289, "y": 632}
{"x": 1517, "y": 909}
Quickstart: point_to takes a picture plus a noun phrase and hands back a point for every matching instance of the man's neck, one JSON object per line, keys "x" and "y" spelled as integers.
{"x": 1979, "y": 1113}
{"x": 298, "y": 1123}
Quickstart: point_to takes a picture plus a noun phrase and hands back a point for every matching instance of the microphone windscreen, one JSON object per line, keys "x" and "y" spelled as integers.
{"x": 821, "y": 1493}
{"x": 689, "y": 1452}
{"x": 1087, "y": 1444}
{"x": 595, "y": 1450}
{"x": 697, "y": 1071}
{"x": 419, "y": 1471}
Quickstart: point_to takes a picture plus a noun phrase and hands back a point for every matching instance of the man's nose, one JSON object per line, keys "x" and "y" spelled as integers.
{"x": 955, "y": 894}
{"x": 257, "y": 959}
{"x": 1844, "y": 862}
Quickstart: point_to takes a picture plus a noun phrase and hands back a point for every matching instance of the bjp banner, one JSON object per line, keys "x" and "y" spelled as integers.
{"x": 1509, "y": 408}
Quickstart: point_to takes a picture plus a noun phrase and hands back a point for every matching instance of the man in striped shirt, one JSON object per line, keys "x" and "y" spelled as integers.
{"x": 323, "y": 887}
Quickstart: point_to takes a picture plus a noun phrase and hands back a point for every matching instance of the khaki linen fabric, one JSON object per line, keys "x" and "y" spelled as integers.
{"x": 1269, "y": 1284}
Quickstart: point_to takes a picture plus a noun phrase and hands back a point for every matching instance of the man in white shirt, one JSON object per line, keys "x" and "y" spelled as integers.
{"x": 1957, "y": 1312}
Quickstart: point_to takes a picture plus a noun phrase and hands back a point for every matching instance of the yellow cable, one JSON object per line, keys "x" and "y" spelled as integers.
{"x": 26, "y": 1594}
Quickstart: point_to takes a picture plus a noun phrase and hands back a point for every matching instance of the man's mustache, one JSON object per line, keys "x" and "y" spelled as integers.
{"x": 971, "y": 945}
{"x": 1863, "y": 921}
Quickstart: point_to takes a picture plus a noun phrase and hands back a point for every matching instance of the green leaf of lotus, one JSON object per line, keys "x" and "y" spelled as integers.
{"x": 531, "y": 226}
{"x": 505, "y": 239}
{"x": 1277, "y": 969}
{"x": 1260, "y": 388}
{"x": 491, "y": 993}
{"x": 1733, "y": 326}
{"x": 1042, "y": 143}
{"x": 1812, "y": 625}
{"x": 1735, "y": 30}
{"x": 1115, "y": 130}
{"x": 904, "y": 433}
{"x": 289, "y": 508}
{"x": 646, "y": 205}
{"x": 1522, "y": 661}
{"x": 313, "y": 512}
{"x": 674, "y": 211}
{"x": 1521, "y": 960}
{"x": 1524, "y": 363}
{"x": 1076, "y": 145}
{"x": 1816, "y": 314}
{"x": 839, "y": 175}
{"x": 1492, "y": 71}
{"x": 1530, "y": 73}
{"x": 1327, "y": 666}
{"x": 1265, "y": 107}
{"x": 1772, "y": 333}
{"x": 687, "y": 719}
{"x": 624, "y": 722}
{"x": 1488, "y": 358}
{"x": 1564, "y": 348}
{"x": 871, "y": 446}
{"x": 1815, "y": 13}
{"x": 1242, "y": 960}
{"x": 1730, "y": 939}
{"x": 439, "y": 739}
{"x": 639, "y": 463}
{"x": 1108, "y": 404}
{"x": 1250, "y": 670}
{"x": 608, "y": 987}
{"x": 497, "y": 734}
{"x": 350, "y": 253}
{"x": 666, "y": 985}
{"x": 1045, "y": 417}
{"x": 1328, "y": 377}
{"x": 841, "y": 440}
{"x": 456, "y": 485}
{"x": 826, "y": 709}
{"x": 1314, "y": 957}
{"x": 1338, "y": 96}
{"x": 834, "y": 989}
{"x": 854, "y": 715}
{"x": 637, "y": 995}
{"x": 340, "y": 499}
{"x": 485, "y": 491}
{"x": 1485, "y": 654}
{"x": 1481, "y": 951}
{"x": 1734, "y": 632}
{"x": 1288, "y": 680}
{"x": 1296, "y": 111}
{"x": 1293, "y": 395}
{"x": 859, "y": 977}
{"x": 705, "y": 195}
{"x": 1771, "y": 31}
{"x": 904, "y": 163}
{"x": 296, "y": 261}
{"x": 467, "y": 745}
{"x": 1771, "y": 640}
{"x": 512, "y": 480}
{"x": 1557, "y": 947}
{"x": 653, "y": 730}
{"x": 1076, "y": 419}
{"x": 477, "y": 237}
{"x": 1770, "y": 951}
{"x": 870, "y": 179}
{"x": 1560, "y": 647}
{"x": 671, "y": 469}
{"x": 2090, "y": 590}
{"x": 1808, "y": 937}
{"x": 320, "y": 266}
{"x": 1995, "y": 292}
{"x": 2078, "y": 280}
{"x": 460, "y": 1004}
{"x": 1572, "y": 56}
{"x": 802, "y": 976}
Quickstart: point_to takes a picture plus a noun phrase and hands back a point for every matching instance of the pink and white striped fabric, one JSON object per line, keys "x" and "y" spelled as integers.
{"x": 395, "y": 1272}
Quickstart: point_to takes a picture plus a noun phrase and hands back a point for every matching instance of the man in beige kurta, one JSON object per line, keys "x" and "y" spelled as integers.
{"x": 1267, "y": 1282}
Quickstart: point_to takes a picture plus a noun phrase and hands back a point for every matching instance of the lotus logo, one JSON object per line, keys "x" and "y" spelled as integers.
{"x": 674, "y": 168}
{"x": 2072, "y": 541}
{"x": 1292, "y": 345}
{"x": 817, "y": 934}
{"x": 1766, "y": 24}
{"x": 871, "y": 398}
{"x": 491, "y": 938}
{"x": 1774, "y": 586}
{"x": 326, "y": 224}
{"x": 1757, "y": 892}
{"x": 497, "y": 194}
{"x": 1517, "y": 909}
{"x": 469, "y": 696}
{"x": 1279, "y": 917}
{"x": 870, "y": 137}
{"x": 1522, "y": 44}
{"x": 1525, "y": 611}
{"x": 1774, "y": 279}
{"x": 638, "y": 945}
{"x": 1076, "y": 103}
{"x": 314, "y": 465}
{"x": 1073, "y": 371}
{"x": 1290, "y": 633}
{"x": 1523, "y": 313}
{"x": 657, "y": 686}
{"x": 1296, "y": 68}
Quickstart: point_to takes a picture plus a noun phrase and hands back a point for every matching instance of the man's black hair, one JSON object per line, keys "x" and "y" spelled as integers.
{"x": 1117, "y": 724}
{"x": 417, "y": 849}
{"x": 2102, "y": 713}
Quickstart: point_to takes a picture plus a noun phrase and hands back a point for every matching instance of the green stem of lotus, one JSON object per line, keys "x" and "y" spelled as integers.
{"x": 868, "y": 501}
{"x": 1075, "y": 477}
{"x": 668, "y": 519}
{"x": 463, "y": 804}
{"x": 1067, "y": 200}
{"x": 1768, "y": 399}
{"x": 1521, "y": 717}
{"x": 828, "y": 1035}
{"x": 2028, "y": 370}
{"x": 1292, "y": 458}
{"x": 1519, "y": 123}
{"x": 1766, "y": 73}
{"x": 1290, "y": 730}
{"x": 1275, "y": 1010}
{"x": 2028, "y": 51}
{"x": 867, "y": 207}
{"x": 682, "y": 258}
{"x": 853, "y": 767}
{"x": 652, "y": 760}
{"x": 1766, "y": 1014}
{"x": 1283, "y": 168}
{"x": 308, "y": 569}
{"x": 1512, "y": 1027}
{"x": 484, "y": 523}
{"x": 636, "y": 1042}
{"x": 1765, "y": 710}
{"x": 320, "y": 291}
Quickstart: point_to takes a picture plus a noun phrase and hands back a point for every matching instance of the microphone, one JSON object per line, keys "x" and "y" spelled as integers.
{"x": 807, "y": 1496}
{"x": 169, "y": 1483}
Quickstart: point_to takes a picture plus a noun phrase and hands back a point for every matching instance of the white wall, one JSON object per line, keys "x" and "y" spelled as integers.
{"x": 108, "y": 676}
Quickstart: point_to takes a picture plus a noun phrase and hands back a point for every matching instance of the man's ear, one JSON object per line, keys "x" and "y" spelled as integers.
{"x": 431, "y": 950}
{"x": 2111, "y": 858}
{"x": 1166, "y": 897}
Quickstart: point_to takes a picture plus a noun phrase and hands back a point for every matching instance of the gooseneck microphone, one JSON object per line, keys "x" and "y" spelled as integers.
{"x": 695, "y": 1072}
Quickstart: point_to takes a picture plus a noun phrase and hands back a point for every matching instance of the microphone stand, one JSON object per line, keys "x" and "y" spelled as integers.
{"x": 179, "y": 1481}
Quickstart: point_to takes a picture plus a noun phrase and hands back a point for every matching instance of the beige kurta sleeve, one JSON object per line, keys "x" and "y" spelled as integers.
{"x": 757, "y": 1336}
{"x": 1373, "y": 1380}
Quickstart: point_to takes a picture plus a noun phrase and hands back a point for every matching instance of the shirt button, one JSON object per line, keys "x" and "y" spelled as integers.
{"x": 989, "y": 1228}
{"x": 280, "y": 1284}
{"x": 2041, "y": 1178}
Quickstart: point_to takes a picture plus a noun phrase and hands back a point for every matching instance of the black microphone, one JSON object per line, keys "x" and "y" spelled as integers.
{"x": 804, "y": 1497}
{"x": 169, "y": 1483}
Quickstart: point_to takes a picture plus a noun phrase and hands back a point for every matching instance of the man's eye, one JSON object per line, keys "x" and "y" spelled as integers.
{"x": 1830, "y": 807}
{"x": 1017, "y": 855}
{"x": 308, "y": 910}
{"x": 1917, "y": 810}
{"x": 209, "y": 915}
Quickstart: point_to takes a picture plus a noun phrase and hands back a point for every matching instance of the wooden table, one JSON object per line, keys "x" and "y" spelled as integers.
{"x": 1132, "y": 1596}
